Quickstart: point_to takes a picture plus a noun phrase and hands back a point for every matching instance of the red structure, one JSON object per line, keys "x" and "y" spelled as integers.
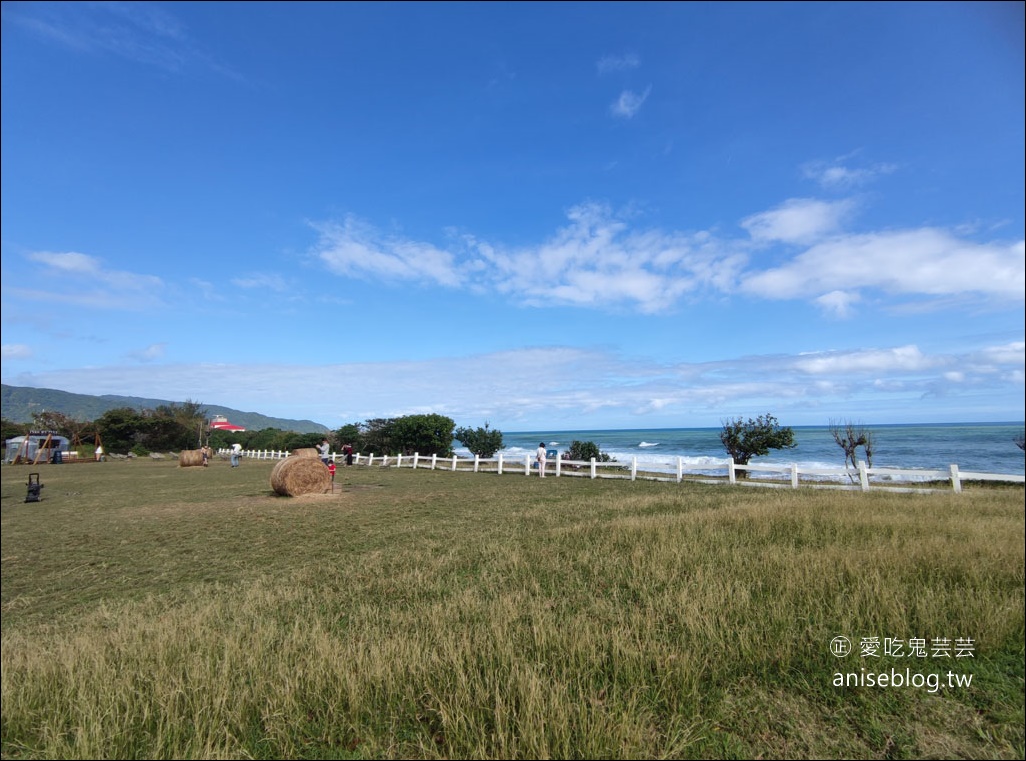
{"x": 220, "y": 423}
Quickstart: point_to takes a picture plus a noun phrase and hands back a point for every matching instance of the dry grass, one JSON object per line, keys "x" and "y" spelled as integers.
{"x": 150, "y": 611}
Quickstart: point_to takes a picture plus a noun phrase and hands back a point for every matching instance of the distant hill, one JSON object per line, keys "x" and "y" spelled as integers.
{"x": 19, "y": 402}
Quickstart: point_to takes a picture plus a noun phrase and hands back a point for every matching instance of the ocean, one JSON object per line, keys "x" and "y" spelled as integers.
{"x": 974, "y": 447}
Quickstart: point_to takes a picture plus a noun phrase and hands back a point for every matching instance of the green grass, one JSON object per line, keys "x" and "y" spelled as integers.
{"x": 151, "y": 611}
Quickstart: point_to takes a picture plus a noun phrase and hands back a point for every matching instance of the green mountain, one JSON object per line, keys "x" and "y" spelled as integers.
{"x": 19, "y": 402}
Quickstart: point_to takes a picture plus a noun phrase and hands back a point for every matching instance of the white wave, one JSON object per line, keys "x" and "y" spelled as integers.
{"x": 648, "y": 444}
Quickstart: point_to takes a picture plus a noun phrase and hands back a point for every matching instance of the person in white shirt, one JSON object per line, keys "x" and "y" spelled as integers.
{"x": 324, "y": 448}
{"x": 540, "y": 457}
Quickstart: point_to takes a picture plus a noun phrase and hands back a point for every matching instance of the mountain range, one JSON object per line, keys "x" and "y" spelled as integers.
{"x": 18, "y": 403}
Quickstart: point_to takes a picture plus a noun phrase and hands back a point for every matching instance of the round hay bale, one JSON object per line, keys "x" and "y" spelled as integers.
{"x": 306, "y": 452}
{"x": 189, "y": 457}
{"x": 295, "y": 476}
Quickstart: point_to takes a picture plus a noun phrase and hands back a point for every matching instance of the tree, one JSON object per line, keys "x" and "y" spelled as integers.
{"x": 850, "y": 438}
{"x": 310, "y": 440}
{"x": 484, "y": 442}
{"x": 744, "y": 439}
{"x": 120, "y": 429}
{"x": 586, "y": 451}
{"x": 350, "y": 434}
{"x": 427, "y": 434}
{"x": 59, "y": 423}
{"x": 377, "y": 437}
{"x": 11, "y": 430}
{"x": 189, "y": 416}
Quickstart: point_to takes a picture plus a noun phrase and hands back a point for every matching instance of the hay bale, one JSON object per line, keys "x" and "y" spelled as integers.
{"x": 190, "y": 457}
{"x": 295, "y": 476}
{"x": 306, "y": 452}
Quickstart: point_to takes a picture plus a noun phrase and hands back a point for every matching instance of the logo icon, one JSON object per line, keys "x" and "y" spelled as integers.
{"x": 840, "y": 646}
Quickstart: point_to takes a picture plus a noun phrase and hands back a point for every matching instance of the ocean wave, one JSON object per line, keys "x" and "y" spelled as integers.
{"x": 645, "y": 444}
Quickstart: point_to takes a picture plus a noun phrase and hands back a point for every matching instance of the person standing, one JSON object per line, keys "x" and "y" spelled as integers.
{"x": 99, "y": 452}
{"x": 347, "y": 450}
{"x": 236, "y": 454}
{"x": 324, "y": 448}
{"x": 539, "y": 455}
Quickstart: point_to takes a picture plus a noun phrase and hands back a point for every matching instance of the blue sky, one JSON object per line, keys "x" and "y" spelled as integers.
{"x": 540, "y": 215}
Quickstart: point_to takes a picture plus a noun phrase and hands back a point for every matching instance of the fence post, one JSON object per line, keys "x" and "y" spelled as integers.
{"x": 454, "y": 462}
{"x": 500, "y": 463}
{"x": 370, "y": 459}
{"x": 527, "y": 464}
{"x": 416, "y": 457}
{"x": 593, "y": 473}
{"x": 794, "y": 475}
{"x": 680, "y": 469}
{"x": 434, "y": 460}
{"x": 863, "y": 476}
{"x": 956, "y": 481}
{"x": 477, "y": 462}
{"x": 634, "y": 468}
{"x": 558, "y": 460}
{"x": 731, "y": 475}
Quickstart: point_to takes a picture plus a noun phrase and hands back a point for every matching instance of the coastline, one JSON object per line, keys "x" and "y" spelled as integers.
{"x": 974, "y": 447}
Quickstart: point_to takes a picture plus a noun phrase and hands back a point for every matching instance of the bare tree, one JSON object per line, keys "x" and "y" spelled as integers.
{"x": 849, "y": 437}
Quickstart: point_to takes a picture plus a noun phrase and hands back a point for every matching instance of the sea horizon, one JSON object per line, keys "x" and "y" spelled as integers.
{"x": 981, "y": 447}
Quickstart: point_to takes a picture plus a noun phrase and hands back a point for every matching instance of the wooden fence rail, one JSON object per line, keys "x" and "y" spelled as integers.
{"x": 777, "y": 475}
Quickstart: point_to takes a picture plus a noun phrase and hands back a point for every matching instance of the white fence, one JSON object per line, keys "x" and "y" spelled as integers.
{"x": 765, "y": 475}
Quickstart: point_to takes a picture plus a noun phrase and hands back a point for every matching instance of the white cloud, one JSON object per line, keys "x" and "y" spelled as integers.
{"x": 835, "y": 176}
{"x": 82, "y": 280}
{"x": 597, "y": 260}
{"x": 923, "y": 261}
{"x": 798, "y": 220}
{"x": 566, "y": 388}
{"x": 15, "y": 351}
{"x": 356, "y": 249}
{"x": 1013, "y": 353}
{"x": 270, "y": 281}
{"x": 611, "y": 63}
{"x": 838, "y": 303}
{"x": 151, "y": 353}
{"x": 899, "y": 359}
{"x": 629, "y": 103}
{"x": 142, "y": 32}
{"x": 602, "y": 259}
{"x": 68, "y": 262}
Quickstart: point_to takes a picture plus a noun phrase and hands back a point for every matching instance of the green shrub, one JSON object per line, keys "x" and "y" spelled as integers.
{"x": 484, "y": 442}
{"x": 586, "y": 451}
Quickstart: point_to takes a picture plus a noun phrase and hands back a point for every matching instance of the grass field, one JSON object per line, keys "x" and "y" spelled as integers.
{"x": 151, "y": 611}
